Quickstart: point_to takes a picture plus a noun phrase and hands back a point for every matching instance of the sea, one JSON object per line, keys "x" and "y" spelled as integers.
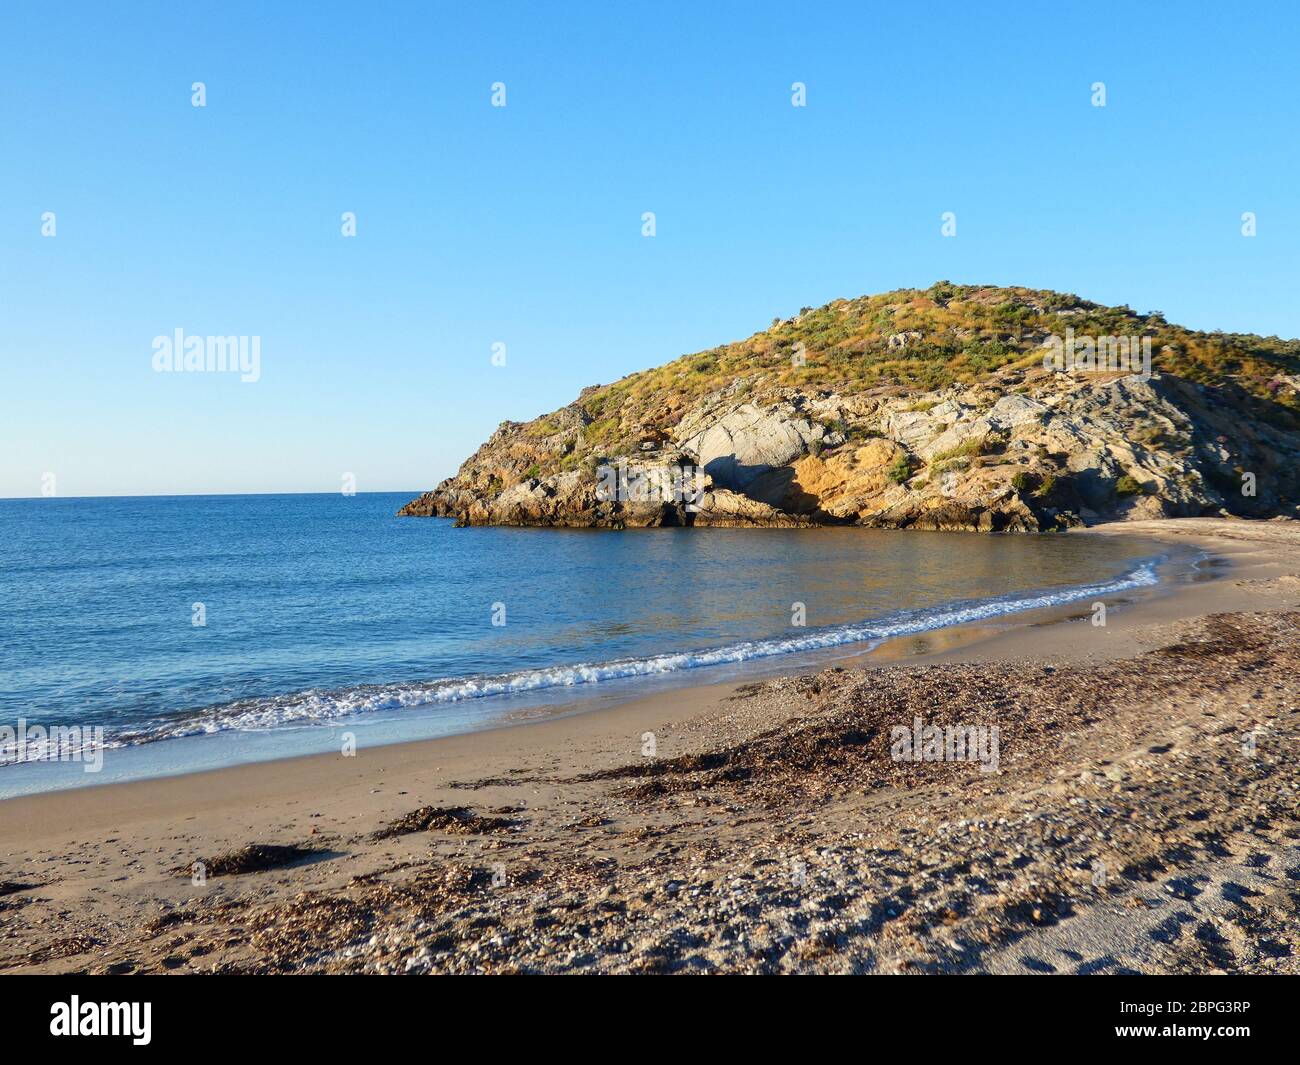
{"x": 161, "y": 635}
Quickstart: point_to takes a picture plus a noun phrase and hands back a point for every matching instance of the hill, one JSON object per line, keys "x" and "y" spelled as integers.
{"x": 952, "y": 407}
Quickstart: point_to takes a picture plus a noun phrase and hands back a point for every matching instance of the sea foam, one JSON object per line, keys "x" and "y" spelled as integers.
{"x": 318, "y": 707}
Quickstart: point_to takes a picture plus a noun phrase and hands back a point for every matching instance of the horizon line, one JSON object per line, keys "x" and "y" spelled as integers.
{"x": 203, "y": 495}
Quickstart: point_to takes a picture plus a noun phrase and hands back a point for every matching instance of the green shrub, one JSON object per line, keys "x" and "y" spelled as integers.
{"x": 1128, "y": 486}
{"x": 970, "y": 449}
{"x": 900, "y": 470}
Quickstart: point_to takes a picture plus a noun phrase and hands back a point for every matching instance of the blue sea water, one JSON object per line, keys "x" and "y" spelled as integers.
{"x": 327, "y": 612}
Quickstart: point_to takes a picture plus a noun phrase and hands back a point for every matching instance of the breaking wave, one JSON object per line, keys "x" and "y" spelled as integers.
{"x": 320, "y": 707}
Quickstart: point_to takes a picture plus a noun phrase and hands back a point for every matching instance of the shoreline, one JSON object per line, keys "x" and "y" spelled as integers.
{"x": 960, "y": 642}
{"x": 190, "y": 753}
{"x": 99, "y": 864}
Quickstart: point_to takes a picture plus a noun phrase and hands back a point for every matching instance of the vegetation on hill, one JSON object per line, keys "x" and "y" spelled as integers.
{"x": 916, "y": 408}
{"x": 922, "y": 340}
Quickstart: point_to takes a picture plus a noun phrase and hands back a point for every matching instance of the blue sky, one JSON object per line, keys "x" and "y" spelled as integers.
{"x": 522, "y": 225}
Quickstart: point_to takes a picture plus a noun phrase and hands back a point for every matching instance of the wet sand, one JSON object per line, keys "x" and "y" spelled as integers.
{"x": 751, "y": 827}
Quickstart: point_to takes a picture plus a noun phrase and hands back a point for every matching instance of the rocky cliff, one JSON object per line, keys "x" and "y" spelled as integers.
{"x": 945, "y": 408}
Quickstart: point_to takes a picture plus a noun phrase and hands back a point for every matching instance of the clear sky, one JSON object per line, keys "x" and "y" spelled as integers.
{"x": 522, "y": 225}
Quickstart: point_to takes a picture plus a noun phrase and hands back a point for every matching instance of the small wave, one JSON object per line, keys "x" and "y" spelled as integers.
{"x": 317, "y": 707}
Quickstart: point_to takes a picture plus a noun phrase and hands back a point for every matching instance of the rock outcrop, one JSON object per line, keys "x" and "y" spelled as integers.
{"x": 1018, "y": 447}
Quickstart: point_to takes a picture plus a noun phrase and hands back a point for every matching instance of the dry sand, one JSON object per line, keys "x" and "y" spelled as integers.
{"x": 1142, "y": 818}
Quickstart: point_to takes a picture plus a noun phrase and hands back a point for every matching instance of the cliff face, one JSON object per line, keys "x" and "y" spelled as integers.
{"x": 913, "y": 409}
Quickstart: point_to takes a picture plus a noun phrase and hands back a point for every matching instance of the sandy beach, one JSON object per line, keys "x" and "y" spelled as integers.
{"x": 1141, "y": 817}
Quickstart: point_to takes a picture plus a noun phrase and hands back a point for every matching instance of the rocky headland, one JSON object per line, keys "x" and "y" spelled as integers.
{"x": 934, "y": 409}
